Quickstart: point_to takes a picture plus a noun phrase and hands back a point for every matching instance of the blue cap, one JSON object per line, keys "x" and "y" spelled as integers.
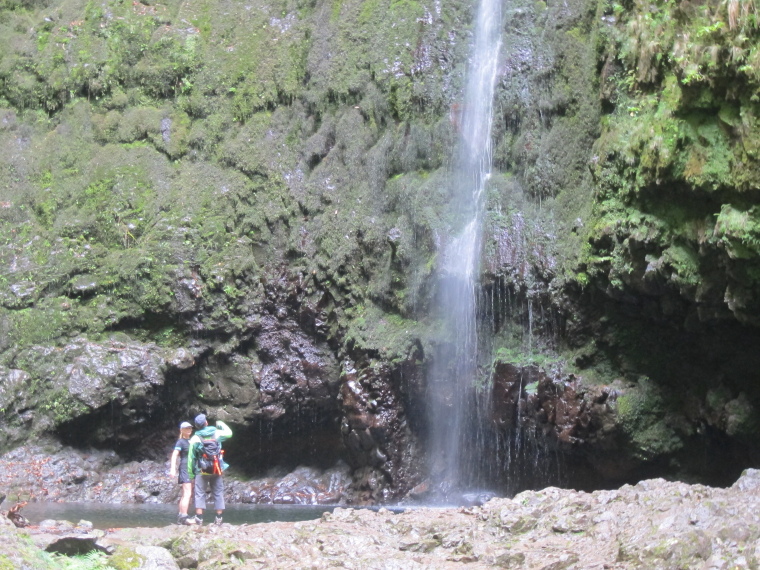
{"x": 184, "y": 425}
{"x": 200, "y": 420}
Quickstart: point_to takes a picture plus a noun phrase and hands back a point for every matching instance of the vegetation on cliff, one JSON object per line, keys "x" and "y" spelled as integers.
{"x": 677, "y": 163}
{"x": 671, "y": 238}
{"x": 210, "y": 205}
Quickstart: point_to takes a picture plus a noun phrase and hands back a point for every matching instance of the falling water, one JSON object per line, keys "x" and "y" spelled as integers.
{"x": 453, "y": 380}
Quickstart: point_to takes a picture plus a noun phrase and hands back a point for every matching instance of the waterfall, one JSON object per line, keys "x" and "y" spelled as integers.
{"x": 454, "y": 398}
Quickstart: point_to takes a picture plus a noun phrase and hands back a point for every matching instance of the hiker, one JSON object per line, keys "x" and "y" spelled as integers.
{"x": 178, "y": 468}
{"x": 206, "y": 465}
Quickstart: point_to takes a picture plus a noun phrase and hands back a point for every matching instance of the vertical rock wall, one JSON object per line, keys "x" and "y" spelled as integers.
{"x": 237, "y": 209}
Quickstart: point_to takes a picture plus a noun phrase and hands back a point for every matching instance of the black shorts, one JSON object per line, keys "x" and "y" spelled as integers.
{"x": 183, "y": 477}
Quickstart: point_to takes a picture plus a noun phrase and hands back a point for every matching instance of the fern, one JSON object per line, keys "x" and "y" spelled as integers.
{"x": 93, "y": 560}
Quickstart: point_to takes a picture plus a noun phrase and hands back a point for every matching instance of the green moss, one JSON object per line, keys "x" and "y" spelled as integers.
{"x": 40, "y": 325}
{"x": 523, "y": 357}
{"x": 739, "y": 231}
{"x": 125, "y": 558}
{"x": 685, "y": 261}
{"x": 392, "y": 336}
{"x": 709, "y": 161}
{"x": 582, "y": 278}
{"x": 61, "y": 406}
{"x": 641, "y": 415}
{"x": 672, "y": 165}
{"x": 218, "y": 549}
{"x": 185, "y": 544}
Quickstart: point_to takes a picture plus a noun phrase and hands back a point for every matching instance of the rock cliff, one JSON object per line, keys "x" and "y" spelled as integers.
{"x": 238, "y": 209}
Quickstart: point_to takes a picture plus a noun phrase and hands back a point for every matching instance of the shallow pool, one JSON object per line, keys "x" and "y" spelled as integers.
{"x": 105, "y": 516}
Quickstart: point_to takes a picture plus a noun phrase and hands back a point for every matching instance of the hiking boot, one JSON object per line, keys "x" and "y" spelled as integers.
{"x": 182, "y": 519}
{"x": 194, "y": 520}
{"x": 218, "y": 519}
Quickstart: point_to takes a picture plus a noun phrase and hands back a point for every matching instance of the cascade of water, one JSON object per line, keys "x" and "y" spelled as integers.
{"x": 454, "y": 399}
{"x": 530, "y": 325}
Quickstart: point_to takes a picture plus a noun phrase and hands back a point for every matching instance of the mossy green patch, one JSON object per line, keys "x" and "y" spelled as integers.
{"x": 125, "y": 558}
{"x": 523, "y": 356}
{"x": 18, "y": 551}
{"x": 641, "y": 415}
{"x": 61, "y": 406}
{"x": 391, "y": 336}
{"x": 738, "y": 231}
{"x": 673, "y": 150}
{"x": 685, "y": 262}
{"x": 48, "y": 321}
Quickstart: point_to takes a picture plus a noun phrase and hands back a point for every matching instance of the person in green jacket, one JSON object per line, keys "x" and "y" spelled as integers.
{"x": 202, "y": 444}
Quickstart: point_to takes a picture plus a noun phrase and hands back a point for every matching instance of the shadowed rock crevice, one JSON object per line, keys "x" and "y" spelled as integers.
{"x": 310, "y": 437}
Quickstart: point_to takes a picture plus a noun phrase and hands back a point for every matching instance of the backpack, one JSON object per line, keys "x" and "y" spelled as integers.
{"x": 208, "y": 457}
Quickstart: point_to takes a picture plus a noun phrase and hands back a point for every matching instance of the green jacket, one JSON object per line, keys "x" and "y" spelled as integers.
{"x": 221, "y": 432}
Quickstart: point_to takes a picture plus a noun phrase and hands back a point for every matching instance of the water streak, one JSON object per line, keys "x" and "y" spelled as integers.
{"x": 453, "y": 382}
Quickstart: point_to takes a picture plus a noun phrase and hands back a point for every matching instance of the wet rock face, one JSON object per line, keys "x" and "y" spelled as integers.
{"x": 562, "y": 415}
{"x": 378, "y": 439}
{"x": 303, "y": 486}
{"x": 279, "y": 387}
{"x": 251, "y": 273}
{"x": 609, "y": 434}
{"x": 129, "y": 395}
{"x": 281, "y": 370}
{"x": 58, "y": 385}
{"x": 564, "y": 410}
{"x": 294, "y": 369}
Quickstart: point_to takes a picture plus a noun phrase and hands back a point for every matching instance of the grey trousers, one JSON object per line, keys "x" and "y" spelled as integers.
{"x": 216, "y": 484}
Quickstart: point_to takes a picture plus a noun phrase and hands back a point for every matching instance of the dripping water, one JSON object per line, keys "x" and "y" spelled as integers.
{"x": 455, "y": 402}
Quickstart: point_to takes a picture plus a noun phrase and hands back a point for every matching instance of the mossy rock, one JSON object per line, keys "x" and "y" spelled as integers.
{"x": 186, "y": 549}
{"x": 18, "y": 551}
{"x": 125, "y": 558}
{"x": 642, "y": 415}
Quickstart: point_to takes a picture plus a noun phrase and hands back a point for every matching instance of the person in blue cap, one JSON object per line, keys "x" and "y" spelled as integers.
{"x": 206, "y": 465}
{"x": 178, "y": 468}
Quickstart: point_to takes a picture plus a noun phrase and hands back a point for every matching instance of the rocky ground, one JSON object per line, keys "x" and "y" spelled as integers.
{"x": 654, "y": 524}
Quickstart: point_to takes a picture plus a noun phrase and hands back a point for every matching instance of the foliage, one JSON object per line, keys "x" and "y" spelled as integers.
{"x": 697, "y": 42}
{"x": 738, "y": 231}
{"x": 523, "y": 357}
{"x": 641, "y": 413}
{"x": 94, "y": 560}
{"x": 676, "y": 160}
